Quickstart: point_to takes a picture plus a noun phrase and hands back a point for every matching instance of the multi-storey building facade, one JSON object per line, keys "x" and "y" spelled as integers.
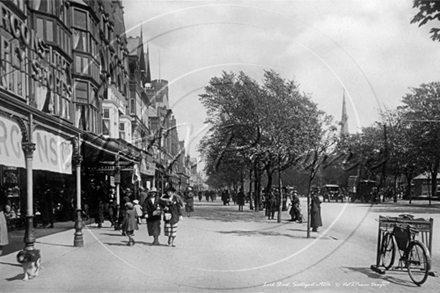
{"x": 72, "y": 87}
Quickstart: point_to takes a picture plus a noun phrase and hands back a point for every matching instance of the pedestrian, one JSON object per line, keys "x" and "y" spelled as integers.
{"x": 100, "y": 198}
{"x": 240, "y": 199}
{"x": 173, "y": 214}
{"x": 4, "y": 240}
{"x": 138, "y": 209}
{"x": 130, "y": 223}
{"x": 189, "y": 203}
{"x": 153, "y": 211}
{"x": 125, "y": 199}
{"x": 295, "y": 210}
{"x": 315, "y": 212}
{"x": 200, "y": 195}
{"x": 47, "y": 208}
{"x": 142, "y": 195}
{"x": 225, "y": 197}
{"x": 270, "y": 202}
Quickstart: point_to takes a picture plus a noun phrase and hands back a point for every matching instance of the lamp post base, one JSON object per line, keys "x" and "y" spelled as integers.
{"x": 29, "y": 238}
{"x": 78, "y": 239}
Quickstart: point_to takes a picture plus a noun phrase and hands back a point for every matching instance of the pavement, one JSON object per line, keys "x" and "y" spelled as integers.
{"x": 218, "y": 249}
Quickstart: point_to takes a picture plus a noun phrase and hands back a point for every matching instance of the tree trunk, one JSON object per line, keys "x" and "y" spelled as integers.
{"x": 269, "y": 177}
{"x": 250, "y": 190}
{"x": 434, "y": 172}
{"x": 257, "y": 188}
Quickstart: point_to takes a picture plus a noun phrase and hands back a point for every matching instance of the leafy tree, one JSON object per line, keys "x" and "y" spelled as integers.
{"x": 428, "y": 10}
{"x": 325, "y": 141}
{"x": 267, "y": 125}
{"x": 421, "y": 116}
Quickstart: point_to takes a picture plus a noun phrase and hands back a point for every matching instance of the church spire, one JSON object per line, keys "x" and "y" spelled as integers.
{"x": 344, "y": 119}
{"x": 147, "y": 58}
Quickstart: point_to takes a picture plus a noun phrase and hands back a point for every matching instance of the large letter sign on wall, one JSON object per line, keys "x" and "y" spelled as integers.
{"x": 11, "y": 153}
{"x": 52, "y": 153}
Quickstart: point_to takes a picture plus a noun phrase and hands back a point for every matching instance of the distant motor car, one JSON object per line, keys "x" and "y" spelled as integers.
{"x": 332, "y": 192}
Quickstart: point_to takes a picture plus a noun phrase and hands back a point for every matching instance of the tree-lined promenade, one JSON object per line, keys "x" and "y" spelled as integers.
{"x": 258, "y": 131}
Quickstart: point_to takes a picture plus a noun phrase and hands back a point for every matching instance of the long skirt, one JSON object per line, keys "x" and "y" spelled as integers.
{"x": 171, "y": 229}
{"x": 3, "y": 230}
{"x": 153, "y": 227}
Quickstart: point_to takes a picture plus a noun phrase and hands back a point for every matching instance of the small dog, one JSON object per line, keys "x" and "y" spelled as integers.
{"x": 31, "y": 262}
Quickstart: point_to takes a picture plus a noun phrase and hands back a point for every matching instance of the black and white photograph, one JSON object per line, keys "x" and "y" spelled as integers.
{"x": 219, "y": 146}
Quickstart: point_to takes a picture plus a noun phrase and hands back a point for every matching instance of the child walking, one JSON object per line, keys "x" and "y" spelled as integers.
{"x": 138, "y": 209}
{"x": 129, "y": 223}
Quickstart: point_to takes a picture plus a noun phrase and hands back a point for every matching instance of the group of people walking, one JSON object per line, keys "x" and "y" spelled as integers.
{"x": 293, "y": 206}
{"x": 156, "y": 208}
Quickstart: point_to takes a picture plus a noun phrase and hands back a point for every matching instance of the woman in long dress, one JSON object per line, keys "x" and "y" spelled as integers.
{"x": 315, "y": 213}
{"x": 3, "y": 227}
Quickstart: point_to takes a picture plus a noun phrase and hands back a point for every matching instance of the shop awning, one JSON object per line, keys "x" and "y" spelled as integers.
{"x": 97, "y": 149}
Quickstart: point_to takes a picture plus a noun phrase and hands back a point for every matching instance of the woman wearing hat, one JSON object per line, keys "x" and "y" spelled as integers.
{"x": 153, "y": 211}
{"x": 173, "y": 204}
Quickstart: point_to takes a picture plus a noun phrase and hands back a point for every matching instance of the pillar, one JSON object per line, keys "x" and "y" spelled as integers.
{"x": 118, "y": 194}
{"x": 29, "y": 238}
{"x": 78, "y": 238}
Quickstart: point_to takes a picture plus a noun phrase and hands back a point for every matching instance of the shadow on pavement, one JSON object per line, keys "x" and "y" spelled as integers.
{"x": 18, "y": 277}
{"x": 226, "y": 214}
{"x": 407, "y": 208}
{"x": 269, "y": 233}
{"x": 117, "y": 244}
{"x": 392, "y": 279}
{"x": 53, "y": 244}
{"x": 10, "y": 264}
{"x": 108, "y": 234}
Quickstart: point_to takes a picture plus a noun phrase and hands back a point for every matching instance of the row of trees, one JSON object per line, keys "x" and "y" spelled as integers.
{"x": 257, "y": 130}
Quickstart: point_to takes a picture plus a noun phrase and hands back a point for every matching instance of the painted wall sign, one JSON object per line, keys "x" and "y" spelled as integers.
{"x": 52, "y": 153}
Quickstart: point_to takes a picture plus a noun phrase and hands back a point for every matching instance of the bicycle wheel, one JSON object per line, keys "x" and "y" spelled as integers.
{"x": 388, "y": 251}
{"x": 418, "y": 262}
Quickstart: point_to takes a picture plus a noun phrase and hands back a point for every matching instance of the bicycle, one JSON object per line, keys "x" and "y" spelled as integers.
{"x": 413, "y": 254}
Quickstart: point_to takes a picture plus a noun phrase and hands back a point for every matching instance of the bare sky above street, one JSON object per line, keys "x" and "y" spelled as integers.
{"x": 367, "y": 47}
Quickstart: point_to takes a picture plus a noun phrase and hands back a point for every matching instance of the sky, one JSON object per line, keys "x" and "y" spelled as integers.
{"x": 366, "y": 50}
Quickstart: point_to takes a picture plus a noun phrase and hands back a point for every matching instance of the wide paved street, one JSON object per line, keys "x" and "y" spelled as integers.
{"x": 221, "y": 249}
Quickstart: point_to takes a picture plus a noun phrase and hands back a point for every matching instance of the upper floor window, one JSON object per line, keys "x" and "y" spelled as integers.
{"x": 45, "y": 29}
{"x": 80, "y": 41}
{"x": 80, "y": 19}
{"x": 81, "y": 91}
{"x": 122, "y": 130}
